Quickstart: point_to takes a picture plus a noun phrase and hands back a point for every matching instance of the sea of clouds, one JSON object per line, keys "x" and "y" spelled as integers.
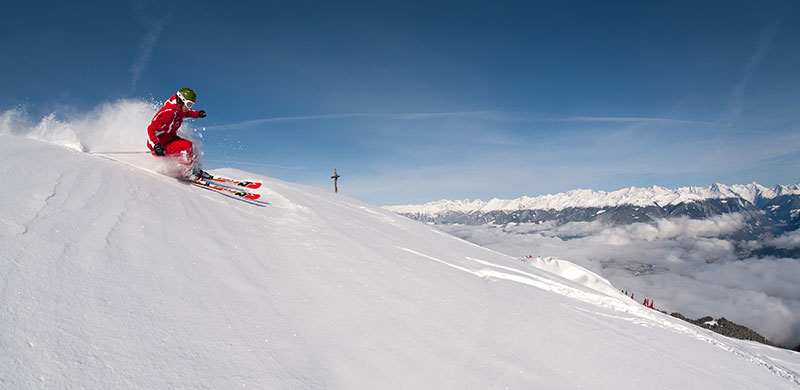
{"x": 684, "y": 265}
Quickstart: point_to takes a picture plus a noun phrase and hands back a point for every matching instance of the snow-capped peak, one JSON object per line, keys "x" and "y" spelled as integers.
{"x": 636, "y": 196}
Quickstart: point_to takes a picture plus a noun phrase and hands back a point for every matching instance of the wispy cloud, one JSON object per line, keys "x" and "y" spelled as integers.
{"x": 388, "y": 116}
{"x": 735, "y": 107}
{"x": 280, "y": 119}
{"x": 631, "y": 120}
{"x": 500, "y": 116}
{"x": 145, "y": 50}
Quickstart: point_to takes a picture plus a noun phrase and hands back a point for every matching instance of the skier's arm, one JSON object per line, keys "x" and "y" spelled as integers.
{"x": 196, "y": 114}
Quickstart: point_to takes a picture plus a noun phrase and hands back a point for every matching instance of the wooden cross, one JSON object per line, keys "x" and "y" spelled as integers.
{"x": 335, "y": 178}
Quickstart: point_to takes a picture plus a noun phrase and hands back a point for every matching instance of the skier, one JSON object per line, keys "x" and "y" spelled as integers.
{"x": 162, "y": 134}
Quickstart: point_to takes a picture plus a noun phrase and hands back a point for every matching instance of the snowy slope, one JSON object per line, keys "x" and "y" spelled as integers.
{"x": 635, "y": 196}
{"x": 117, "y": 277}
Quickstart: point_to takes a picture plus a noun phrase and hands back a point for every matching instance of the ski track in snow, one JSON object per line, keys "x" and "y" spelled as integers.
{"x": 642, "y": 317}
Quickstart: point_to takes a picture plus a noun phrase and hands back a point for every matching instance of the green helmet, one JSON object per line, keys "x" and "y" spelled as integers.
{"x": 186, "y": 94}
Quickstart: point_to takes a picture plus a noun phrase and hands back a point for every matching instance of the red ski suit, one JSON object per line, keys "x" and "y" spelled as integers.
{"x": 164, "y": 130}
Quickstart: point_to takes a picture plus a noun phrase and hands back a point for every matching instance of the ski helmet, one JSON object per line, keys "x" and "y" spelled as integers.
{"x": 187, "y": 96}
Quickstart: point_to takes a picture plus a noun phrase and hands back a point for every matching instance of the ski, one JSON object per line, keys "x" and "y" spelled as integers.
{"x": 241, "y": 183}
{"x": 226, "y": 190}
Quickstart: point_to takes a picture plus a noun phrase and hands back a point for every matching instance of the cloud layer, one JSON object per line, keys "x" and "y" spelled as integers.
{"x": 682, "y": 264}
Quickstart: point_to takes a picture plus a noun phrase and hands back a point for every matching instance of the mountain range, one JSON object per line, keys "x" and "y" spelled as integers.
{"x": 768, "y": 210}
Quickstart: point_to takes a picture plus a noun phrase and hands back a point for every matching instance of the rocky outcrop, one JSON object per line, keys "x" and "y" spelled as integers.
{"x": 726, "y": 328}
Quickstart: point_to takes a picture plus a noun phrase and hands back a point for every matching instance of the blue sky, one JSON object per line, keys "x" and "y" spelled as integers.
{"x": 419, "y": 101}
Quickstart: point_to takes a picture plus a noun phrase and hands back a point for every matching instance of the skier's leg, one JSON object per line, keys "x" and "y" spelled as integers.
{"x": 183, "y": 151}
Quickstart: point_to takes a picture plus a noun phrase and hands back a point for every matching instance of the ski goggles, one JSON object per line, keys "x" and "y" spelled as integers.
{"x": 185, "y": 101}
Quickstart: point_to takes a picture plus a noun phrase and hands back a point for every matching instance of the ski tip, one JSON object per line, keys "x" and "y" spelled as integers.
{"x": 252, "y": 196}
{"x": 254, "y": 186}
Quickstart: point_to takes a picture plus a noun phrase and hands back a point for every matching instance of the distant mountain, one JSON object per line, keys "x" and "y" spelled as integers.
{"x": 769, "y": 210}
{"x": 754, "y": 193}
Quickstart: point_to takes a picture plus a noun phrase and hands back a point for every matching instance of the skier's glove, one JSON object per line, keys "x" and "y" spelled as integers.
{"x": 202, "y": 114}
{"x": 158, "y": 149}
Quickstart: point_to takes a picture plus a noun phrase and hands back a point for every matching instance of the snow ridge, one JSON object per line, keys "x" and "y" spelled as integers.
{"x": 636, "y": 196}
